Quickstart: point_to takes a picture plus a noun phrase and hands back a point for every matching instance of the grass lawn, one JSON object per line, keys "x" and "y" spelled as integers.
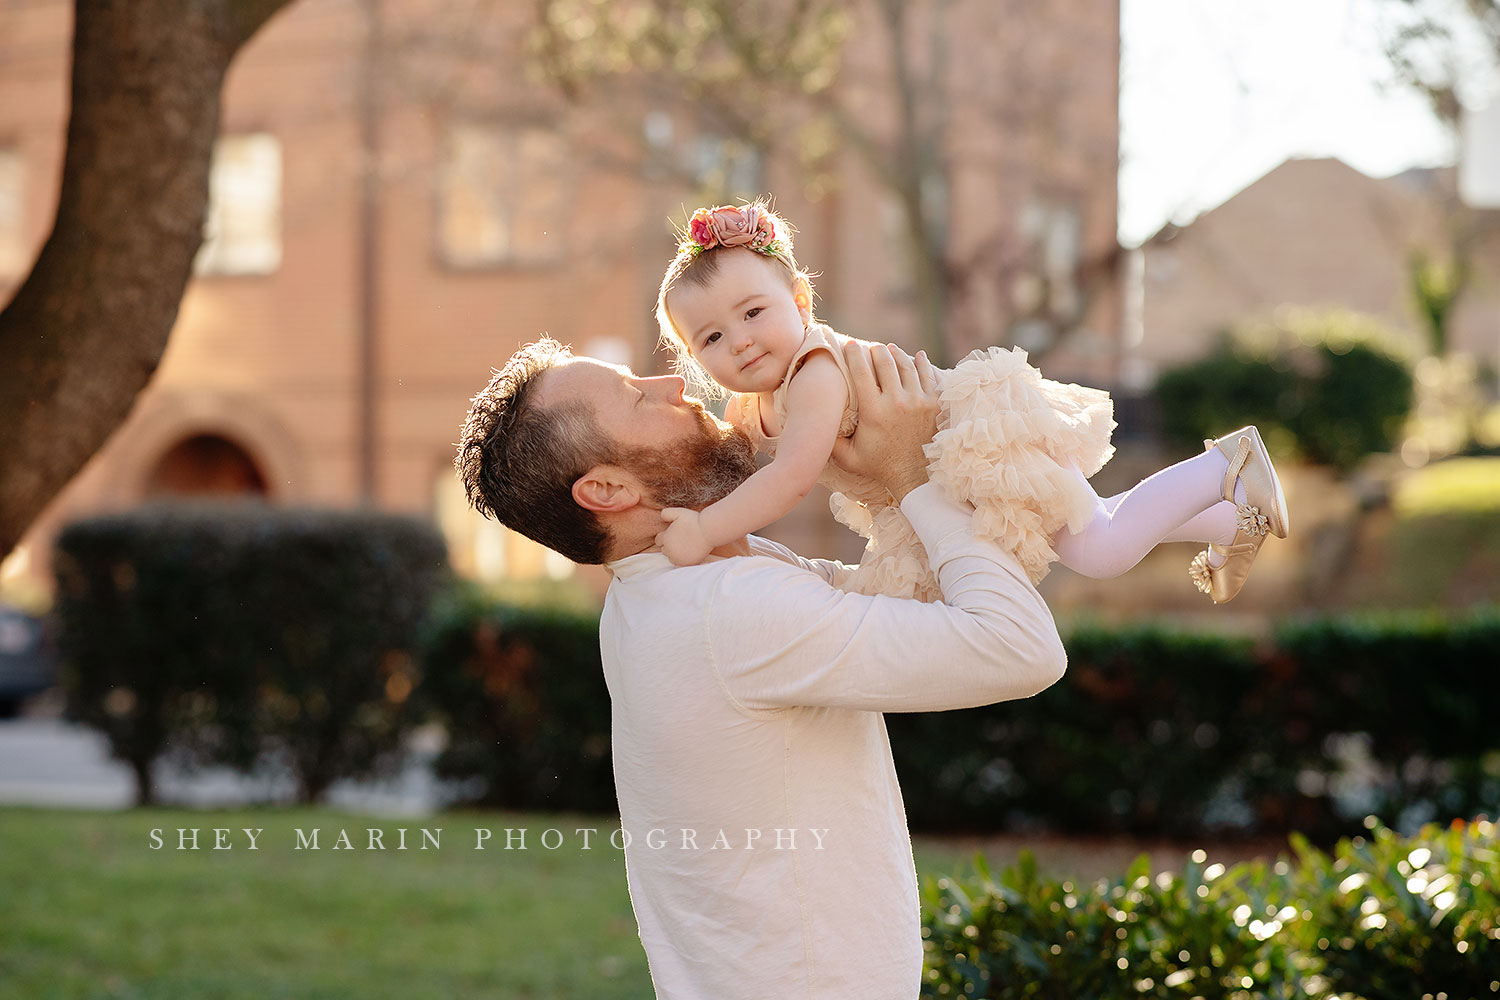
{"x": 1454, "y": 486}
{"x": 1445, "y": 541}
{"x": 90, "y": 910}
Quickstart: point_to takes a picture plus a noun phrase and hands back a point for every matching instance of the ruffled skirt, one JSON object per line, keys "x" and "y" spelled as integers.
{"x": 1009, "y": 442}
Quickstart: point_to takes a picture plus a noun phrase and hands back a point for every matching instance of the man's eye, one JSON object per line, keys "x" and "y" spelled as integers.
{"x": 753, "y": 313}
{"x": 710, "y": 339}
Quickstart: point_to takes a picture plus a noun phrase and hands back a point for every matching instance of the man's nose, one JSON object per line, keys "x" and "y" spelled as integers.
{"x": 672, "y": 386}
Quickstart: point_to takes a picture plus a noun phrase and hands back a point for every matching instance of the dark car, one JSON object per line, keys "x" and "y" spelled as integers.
{"x": 26, "y": 666}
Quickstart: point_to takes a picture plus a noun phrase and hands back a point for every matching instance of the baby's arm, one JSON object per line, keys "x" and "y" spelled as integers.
{"x": 815, "y": 407}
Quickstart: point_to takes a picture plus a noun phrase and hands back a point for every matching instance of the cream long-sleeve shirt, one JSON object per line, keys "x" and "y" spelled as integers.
{"x": 767, "y": 852}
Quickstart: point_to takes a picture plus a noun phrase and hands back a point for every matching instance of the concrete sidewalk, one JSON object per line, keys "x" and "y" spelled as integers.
{"x": 48, "y": 761}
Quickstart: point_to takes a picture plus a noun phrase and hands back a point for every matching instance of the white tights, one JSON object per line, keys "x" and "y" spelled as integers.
{"x": 1181, "y": 503}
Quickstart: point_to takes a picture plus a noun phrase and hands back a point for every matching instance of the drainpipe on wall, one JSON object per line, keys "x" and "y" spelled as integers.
{"x": 367, "y": 313}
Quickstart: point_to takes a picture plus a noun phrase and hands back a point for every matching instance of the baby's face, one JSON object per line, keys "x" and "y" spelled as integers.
{"x": 745, "y": 325}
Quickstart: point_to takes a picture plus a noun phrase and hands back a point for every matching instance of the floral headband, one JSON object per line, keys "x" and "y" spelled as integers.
{"x": 747, "y": 226}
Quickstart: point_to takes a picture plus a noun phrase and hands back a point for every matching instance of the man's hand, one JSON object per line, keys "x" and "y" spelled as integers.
{"x": 682, "y": 539}
{"x": 898, "y": 407}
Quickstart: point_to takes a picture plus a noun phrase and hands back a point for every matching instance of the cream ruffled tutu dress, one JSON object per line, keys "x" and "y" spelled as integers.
{"x": 1007, "y": 442}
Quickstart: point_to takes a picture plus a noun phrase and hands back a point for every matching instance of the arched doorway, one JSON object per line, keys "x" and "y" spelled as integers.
{"x": 205, "y": 465}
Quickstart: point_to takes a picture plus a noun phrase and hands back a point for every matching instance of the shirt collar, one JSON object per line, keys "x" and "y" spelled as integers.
{"x": 629, "y": 567}
{"x": 643, "y": 563}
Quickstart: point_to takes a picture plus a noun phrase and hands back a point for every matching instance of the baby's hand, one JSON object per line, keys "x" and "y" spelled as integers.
{"x": 682, "y": 539}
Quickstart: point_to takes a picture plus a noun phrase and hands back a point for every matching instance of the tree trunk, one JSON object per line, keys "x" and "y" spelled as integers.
{"x": 145, "y": 785}
{"x": 88, "y": 327}
{"x": 929, "y": 278}
{"x": 312, "y": 786}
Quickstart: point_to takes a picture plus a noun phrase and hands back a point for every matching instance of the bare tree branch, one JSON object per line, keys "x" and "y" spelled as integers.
{"x": 1435, "y": 48}
{"x": 763, "y": 77}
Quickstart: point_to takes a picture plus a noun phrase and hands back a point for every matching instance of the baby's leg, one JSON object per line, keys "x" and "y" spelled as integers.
{"x": 1183, "y": 502}
{"x": 1213, "y": 525}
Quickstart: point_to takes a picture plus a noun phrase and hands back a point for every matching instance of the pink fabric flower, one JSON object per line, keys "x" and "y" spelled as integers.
{"x": 731, "y": 226}
{"x": 700, "y": 230}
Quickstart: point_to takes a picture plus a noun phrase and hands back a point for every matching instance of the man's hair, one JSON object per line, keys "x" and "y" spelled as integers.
{"x": 518, "y": 462}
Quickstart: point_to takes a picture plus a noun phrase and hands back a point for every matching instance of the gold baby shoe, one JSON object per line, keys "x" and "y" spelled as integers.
{"x": 1262, "y": 513}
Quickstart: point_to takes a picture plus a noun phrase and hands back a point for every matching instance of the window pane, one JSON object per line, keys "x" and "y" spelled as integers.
{"x": 540, "y": 195}
{"x": 726, "y": 168}
{"x": 243, "y": 232}
{"x": 473, "y": 224}
{"x": 503, "y": 197}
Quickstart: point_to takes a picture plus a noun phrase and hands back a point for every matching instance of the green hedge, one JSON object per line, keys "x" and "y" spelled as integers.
{"x": 1423, "y": 688}
{"x": 230, "y": 635}
{"x": 1154, "y": 731}
{"x": 236, "y": 632}
{"x": 521, "y": 692}
{"x": 1328, "y": 383}
{"x": 1137, "y": 737}
{"x": 1391, "y": 917}
{"x": 1385, "y": 918}
{"x": 1023, "y": 935}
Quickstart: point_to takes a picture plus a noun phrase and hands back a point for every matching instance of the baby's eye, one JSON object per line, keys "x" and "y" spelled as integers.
{"x": 753, "y": 313}
{"x": 710, "y": 339}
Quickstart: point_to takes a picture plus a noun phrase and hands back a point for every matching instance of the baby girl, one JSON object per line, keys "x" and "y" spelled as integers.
{"x": 737, "y": 309}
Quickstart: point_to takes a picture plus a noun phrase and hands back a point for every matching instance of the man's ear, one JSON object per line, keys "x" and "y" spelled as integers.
{"x": 802, "y": 295}
{"x": 606, "y": 488}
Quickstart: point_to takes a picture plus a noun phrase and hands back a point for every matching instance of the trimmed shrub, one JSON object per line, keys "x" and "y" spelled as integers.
{"x": 1023, "y": 935}
{"x": 1385, "y": 919}
{"x": 1327, "y": 383}
{"x": 1219, "y": 392}
{"x": 521, "y": 690}
{"x": 1138, "y": 737}
{"x": 1403, "y": 701}
{"x": 1154, "y": 731}
{"x": 236, "y": 631}
{"x": 1392, "y": 917}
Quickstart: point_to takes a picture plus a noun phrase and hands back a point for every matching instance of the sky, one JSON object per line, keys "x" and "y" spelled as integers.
{"x": 1216, "y": 93}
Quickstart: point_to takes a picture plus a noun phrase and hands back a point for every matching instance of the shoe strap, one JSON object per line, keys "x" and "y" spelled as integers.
{"x": 1236, "y": 465}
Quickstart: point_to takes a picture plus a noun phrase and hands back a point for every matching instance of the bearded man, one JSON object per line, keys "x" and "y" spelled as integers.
{"x": 767, "y": 853}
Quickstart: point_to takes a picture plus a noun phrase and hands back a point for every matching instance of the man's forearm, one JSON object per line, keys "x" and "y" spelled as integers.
{"x": 1005, "y": 622}
{"x": 784, "y": 639}
{"x": 768, "y": 495}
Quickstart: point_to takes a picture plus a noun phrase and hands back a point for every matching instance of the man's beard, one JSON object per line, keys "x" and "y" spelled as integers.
{"x": 697, "y": 472}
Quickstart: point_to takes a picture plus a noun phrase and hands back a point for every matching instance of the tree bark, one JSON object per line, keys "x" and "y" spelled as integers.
{"x": 87, "y": 328}
{"x": 930, "y": 276}
{"x": 145, "y": 783}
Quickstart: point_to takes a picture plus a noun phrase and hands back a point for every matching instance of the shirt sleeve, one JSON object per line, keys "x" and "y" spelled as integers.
{"x": 780, "y": 637}
{"x": 834, "y": 573}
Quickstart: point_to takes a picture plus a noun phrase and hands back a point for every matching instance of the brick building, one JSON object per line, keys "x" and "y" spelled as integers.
{"x": 1314, "y": 232}
{"x": 398, "y": 205}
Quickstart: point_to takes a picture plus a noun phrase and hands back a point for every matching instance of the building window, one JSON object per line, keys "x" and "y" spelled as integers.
{"x": 13, "y": 249}
{"x": 658, "y": 129}
{"x": 727, "y": 168}
{"x": 243, "y": 232}
{"x": 1053, "y": 233}
{"x": 502, "y": 196}
{"x": 486, "y": 550}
